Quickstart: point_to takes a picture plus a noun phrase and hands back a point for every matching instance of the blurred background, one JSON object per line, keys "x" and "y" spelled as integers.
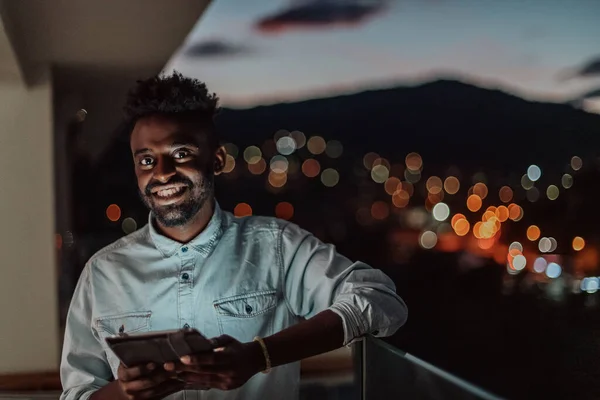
{"x": 454, "y": 144}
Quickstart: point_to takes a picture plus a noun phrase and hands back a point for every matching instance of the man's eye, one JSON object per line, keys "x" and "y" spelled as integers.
{"x": 146, "y": 161}
{"x": 179, "y": 154}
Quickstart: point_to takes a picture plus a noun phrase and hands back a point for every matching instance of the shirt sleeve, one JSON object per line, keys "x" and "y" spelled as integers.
{"x": 317, "y": 278}
{"x": 84, "y": 368}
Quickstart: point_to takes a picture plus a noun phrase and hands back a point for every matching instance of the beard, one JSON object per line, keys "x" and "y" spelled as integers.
{"x": 199, "y": 191}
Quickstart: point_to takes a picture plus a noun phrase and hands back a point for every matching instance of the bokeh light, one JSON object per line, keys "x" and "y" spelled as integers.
{"x": 533, "y": 233}
{"x": 540, "y": 265}
{"x": 552, "y": 192}
{"x": 481, "y": 190}
{"x": 229, "y": 164}
{"x": 311, "y": 168}
{"x": 276, "y": 179}
{"x": 534, "y": 173}
{"x": 330, "y": 177}
{"x": 400, "y": 198}
{"x": 566, "y": 181}
{"x": 451, "y": 185}
{"x": 578, "y": 243}
{"x": 526, "y": 182}
{"x": 380, "y": 173}
{"x": 533, "y": 194}
{"x": 369, "y": 160}
{"x": 279, "y": 164}
{"x": 502, "y": 213}
{"x": 474, "y": 203}
{"x": 299, "y": 138}
{"x": 434, "y": 185}
{"x": 284, "y": 210}
{"x": 392, "y": 184}
{"x": 252, "y": 154}
{"x": 414, "y": 162}
{"x": 129, "y": 225}
{"x": 505, "y": 194}
{"x": 461, "y": 227}
{"x": 316, "y": 145}
{"x": 334, "y": 149}
{"x": 231, "y": 150}
{"x": 576, "y": 163}
{"x": 441, "y": 211}
{"x": 544, "y": 245}
{"x": 428, "y": 240}
{"x": 113, "y": 212}
{"x": 242, "y": 210}
{"x": 286, "y": 145}
{"x": 519, "y": 262}
{"x": 553, "y": 270}
{"x": 258, "y": 167}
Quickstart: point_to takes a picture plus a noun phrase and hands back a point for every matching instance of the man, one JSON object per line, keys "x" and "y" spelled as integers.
{"x": 269, "y": 292}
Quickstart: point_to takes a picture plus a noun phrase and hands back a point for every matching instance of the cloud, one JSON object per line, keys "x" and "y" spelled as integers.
{"x": 587, "y": 70}
{"x": 320, "y": 14}
{"x": 215, "y": 48}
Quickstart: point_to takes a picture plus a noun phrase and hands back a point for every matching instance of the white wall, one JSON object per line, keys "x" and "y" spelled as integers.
{"x": 29, "y": 338}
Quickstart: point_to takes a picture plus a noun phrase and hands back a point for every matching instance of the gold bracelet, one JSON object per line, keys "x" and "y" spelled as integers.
{"x": 263, "y": 346}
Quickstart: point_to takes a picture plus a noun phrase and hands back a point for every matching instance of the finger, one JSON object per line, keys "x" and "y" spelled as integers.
{"x": 162, "y": 390}
{"x": 203, "y": 359}
{"x": 129, "y": 374}
{"x": 146, "y": 382}
{"x": 222, "y": 341}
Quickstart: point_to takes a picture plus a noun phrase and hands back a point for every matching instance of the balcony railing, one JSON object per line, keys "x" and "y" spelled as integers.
{"x": 380, "y": 371}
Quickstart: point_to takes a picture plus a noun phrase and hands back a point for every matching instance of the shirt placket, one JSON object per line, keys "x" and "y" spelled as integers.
{"x": 185, "y": 286}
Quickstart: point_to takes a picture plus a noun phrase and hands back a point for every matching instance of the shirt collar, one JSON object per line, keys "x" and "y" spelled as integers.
{"x": 203, "y": 243}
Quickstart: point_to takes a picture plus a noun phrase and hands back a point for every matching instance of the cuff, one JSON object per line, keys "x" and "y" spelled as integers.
{"x": 352, "y": 321}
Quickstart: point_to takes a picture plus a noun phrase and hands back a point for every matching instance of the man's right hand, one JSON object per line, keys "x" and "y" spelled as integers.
{"x": 147, "y": 382}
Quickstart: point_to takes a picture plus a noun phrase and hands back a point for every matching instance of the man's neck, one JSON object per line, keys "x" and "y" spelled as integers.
{"x": 184, "y": 234}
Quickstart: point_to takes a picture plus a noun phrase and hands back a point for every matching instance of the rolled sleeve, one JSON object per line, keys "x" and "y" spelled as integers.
{"x": 317, "y": 278}
{"x": 84, "y": 368}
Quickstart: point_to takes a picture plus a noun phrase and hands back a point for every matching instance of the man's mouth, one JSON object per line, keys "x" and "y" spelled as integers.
{"x": 168, "y": 192}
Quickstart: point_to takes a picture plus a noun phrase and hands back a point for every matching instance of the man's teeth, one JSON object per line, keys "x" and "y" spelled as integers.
{"x": 169, "y": 192}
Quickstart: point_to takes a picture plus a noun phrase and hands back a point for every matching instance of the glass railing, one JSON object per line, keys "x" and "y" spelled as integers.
{"x": 381, "y": 371}
{"x": 385, "y": 372}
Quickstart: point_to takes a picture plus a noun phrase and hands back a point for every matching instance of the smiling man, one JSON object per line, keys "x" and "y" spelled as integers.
{"x": 269, "y": 293}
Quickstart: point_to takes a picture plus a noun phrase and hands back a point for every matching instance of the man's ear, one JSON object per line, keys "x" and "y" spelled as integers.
{"x": 220, "y": 157}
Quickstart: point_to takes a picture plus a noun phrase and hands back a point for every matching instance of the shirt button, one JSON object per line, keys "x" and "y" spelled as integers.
{"x": 248, "y": 309}
{"x": 184, "y": 249}
{"x": 185, "y": 276}
{"x": 186, "y": 326}
{"x": 375, "y": 333}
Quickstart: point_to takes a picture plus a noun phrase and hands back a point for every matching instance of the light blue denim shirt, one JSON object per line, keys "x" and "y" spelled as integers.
{"x": 244, "y": 277}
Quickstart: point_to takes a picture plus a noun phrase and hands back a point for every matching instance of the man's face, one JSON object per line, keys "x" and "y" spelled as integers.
{"x": 175, "y": 167}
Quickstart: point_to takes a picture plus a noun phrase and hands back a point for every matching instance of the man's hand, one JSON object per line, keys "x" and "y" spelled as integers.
{"x": 228, "y": 367}
{"x": 147, "y": 382}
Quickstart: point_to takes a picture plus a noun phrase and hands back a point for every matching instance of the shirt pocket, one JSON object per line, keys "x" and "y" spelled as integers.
{"x": 133, "y": 322}
{"x": 245, "y": 316}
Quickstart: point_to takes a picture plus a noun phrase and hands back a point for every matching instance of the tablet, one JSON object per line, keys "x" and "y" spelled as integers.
{"x": 157, "y": 347}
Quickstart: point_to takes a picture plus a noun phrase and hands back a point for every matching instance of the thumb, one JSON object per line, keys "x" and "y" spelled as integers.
{"x": 222, "y": 341}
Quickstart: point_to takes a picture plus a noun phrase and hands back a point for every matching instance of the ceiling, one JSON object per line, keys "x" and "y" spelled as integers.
{"x": 95, "y": 35}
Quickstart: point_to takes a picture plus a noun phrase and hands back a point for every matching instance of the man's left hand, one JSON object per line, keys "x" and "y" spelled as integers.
{"x": 227, "y": 367}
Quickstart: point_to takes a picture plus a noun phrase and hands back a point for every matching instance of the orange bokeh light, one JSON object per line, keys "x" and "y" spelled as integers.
{"x": 481, "y": 190}
{"x": 284, "y": 210}
{"x": 502, "y": 213}
{"x": 578, "y": 243}
{"x": 392, "y": 184}
{"x": 474, "y": 203}
{"x": 533, "y": 233}
{"x": 258, "y": 167}
{"x": 515, "y": 212}
{"x": 451, "y": 185}
{"x": 242, "y": 210}
{"x": 461, "y": 227}
{"x": 400, "y": 198}
{"x": 311, "y": 168}
{"x": 434, "y": 185}
{"x": 113, "y": 212}
{"x": 456, "y": 218}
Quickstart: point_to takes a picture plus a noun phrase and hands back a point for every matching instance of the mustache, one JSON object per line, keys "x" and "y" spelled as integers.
{"x": 176, "y": 179}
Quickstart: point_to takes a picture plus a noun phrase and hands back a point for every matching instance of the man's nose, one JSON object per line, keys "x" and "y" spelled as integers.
{"x": 164, "y": 170}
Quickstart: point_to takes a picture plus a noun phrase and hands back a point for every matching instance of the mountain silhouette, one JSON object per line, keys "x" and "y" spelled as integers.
{"x": 446, "y": 121}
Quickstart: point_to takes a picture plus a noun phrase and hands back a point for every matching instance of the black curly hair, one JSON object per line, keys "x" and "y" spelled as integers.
{"x": 174, "y": 96}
